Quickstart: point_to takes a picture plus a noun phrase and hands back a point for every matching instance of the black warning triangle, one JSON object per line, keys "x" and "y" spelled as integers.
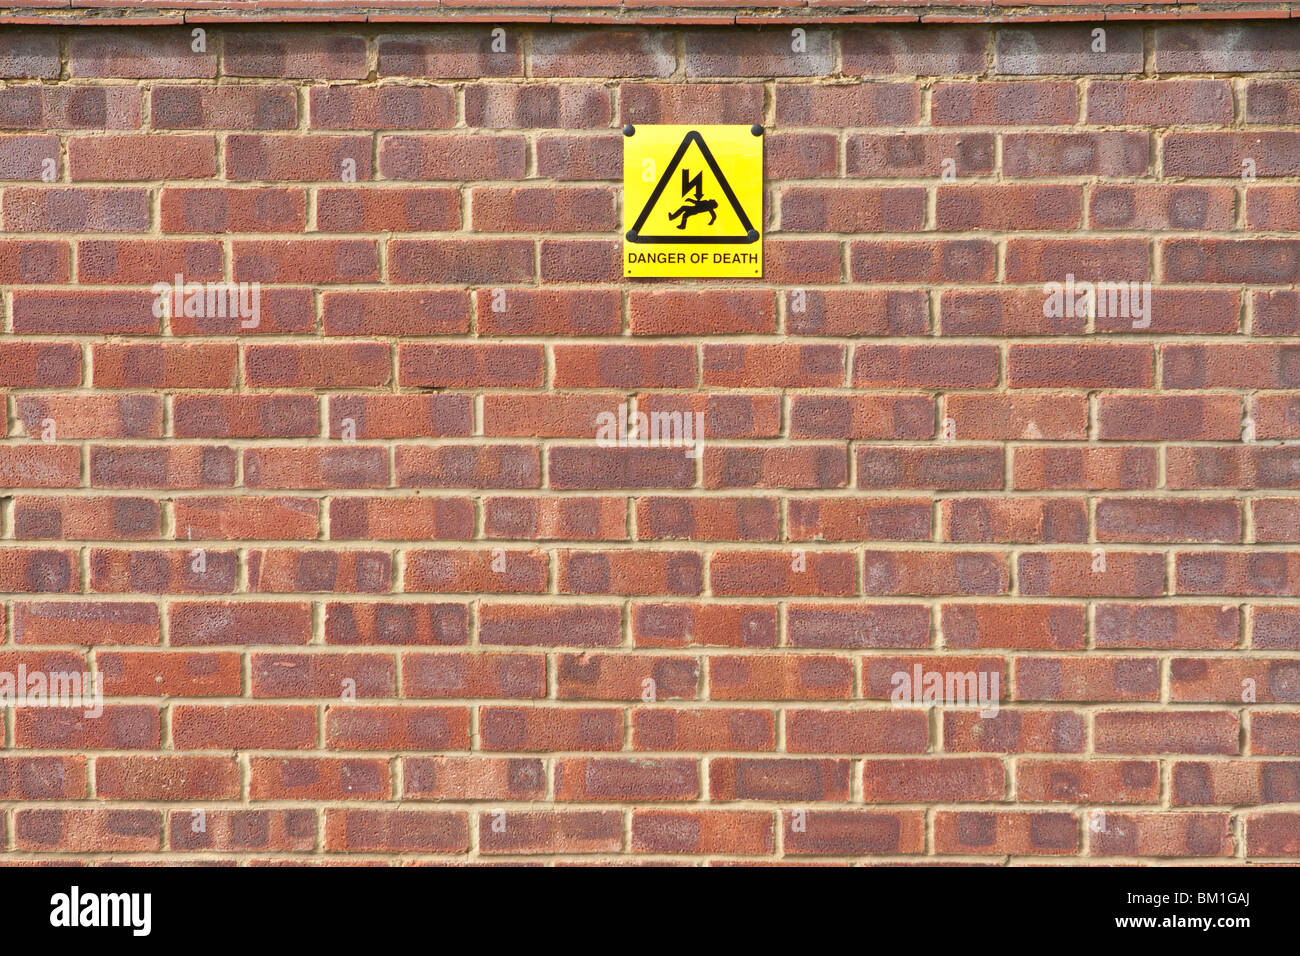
{"x": 751, "y": 234}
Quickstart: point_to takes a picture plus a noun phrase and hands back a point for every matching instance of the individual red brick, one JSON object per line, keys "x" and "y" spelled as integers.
{"x": 319, "y": 778}
{"x": 63, "y": 417}
{"x": 380, "y": 727}
{"x": 144, "y": 54}
{"x": 858, "y": 626}
{"x": 317, "y": 366}
{"x": 75, "y": 209}
{"x": 1258, "y": 261}
{"x": 733, "y": 832}
{"x": 356, "y": 518}
{"x": 392, "y": 623}
{"x": 123, "y": 571}
{"x": 160, "y": 777}
{"x": 925, "y": 366}
{"x": 442, "y": 366}
{"x": 29, "y": 157}
{"x": 1063, "y": 49}
{"x": 164, "y": 366}
{"x": 972, "y": 831}
{"x": 788, "y": 677}
{"x": 24, "y": 571}
{"x": 1157, "y": 626}
{"x": 933, "y": 261}
{"x": 610, "y": 779}
{"x": 944, "y": 779}
{"x": 568, "y": 625}
{"x": 555, "y": 106}
{"x": 1272, "y": 834}
{"x": 1241, "y": 467}
{"x": 452, "y": 157}
{"x": 680, "y": 729}
{"x": 858, "y": 519}
{"x": 146, "y": 674}
{"x": 702, "y": 312}
{"x": 464, "y": 466}
{"x": 1271, "y": 101}
{"x": 689, "y": 103}
{"x": 1166, "y": 731}
{"x": 1088, "y": 468}
{"x": 913, "y": 50}
{"x": 473, "y": 778}
{"x": 808, "y": 573}
{"x": 853, "y": 832}
{"x": 933, "y": 573}
{"x": 593, "y": 519}
{"x": 782, "y": 366}
{"x": 629, "y": 572}
{"x": 1225, "y": 153}
{"x": 306, "y": 260}
{"x": 1036, "y": 155}
{"x": 29, "y": 55}
{"x": 190, "y": 466}
{"x": 856, "y": 104}
{"x": 43, "y": 778}
{"x": 1164, "y": 834}
{"x": 119, "y": 727}
{"x": 1019, "y": 520}
{"x": 88, "y": 831}
{"x": 1275, "y": 519}
{"x": 778, "y": 778}
{"x": 294, "y": 674}
{"x": 477, "y": 571}
{"x": 348, "y": 209}
{"x": 85, "y": 623}
{"x": 1004, "y": 104}
{"x": 1013, "y": 731}
{"x": 809, "y": 466}
{"x": 203, "y": 623}
{"x": 943, "y": 468}
{"x": 1080, "y": 366}
{"x": 894, "y": 155}
{"x": 382, "y": 312}
{"x": 396, "y": 831}
{"x": 1095, "y": 679}
{"x": 40, "y": 466}
{"x": 450, "y": 52}
{"x": 549, "y": 729}
{"x": 1251, "y": 366}
{"x": 1273, "y": 208}
{"x": 550, "y": 831}
{"x": 1018, "y": 208}
{"x": 1084, "y": 574}
{"x": 147, "y": 156}
{"x": 286, "y": 570}
{"x": 856, "y": 732}
{"x": 1246, "y": 573}
{"x": 39, "y": 364}
{"x": 1055, "y": 416}
{"x": 1273, "y": 732}
{"x": 1028, "y": 626}
{"x": 680, "y": 624}
{"x": 1160, "y": 208}
{"x": 541, "y": 209}
{"x": 243, "y": 830}
{"x": 223, "y": 107}
{"x": 1087, "y": 781}
{"x": 383, "y": 107}
{"x": 473, "y": 675}
{"x": 245, "y": 416}
{"x": 210, "y": 209}
{"x": 1170, "y": 519}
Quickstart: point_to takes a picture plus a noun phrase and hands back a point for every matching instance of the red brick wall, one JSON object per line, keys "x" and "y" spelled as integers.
{"x": 906, "y": 462}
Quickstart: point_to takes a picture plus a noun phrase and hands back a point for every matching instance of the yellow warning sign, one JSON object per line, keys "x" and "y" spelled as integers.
{"x": 693, "y": 201}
